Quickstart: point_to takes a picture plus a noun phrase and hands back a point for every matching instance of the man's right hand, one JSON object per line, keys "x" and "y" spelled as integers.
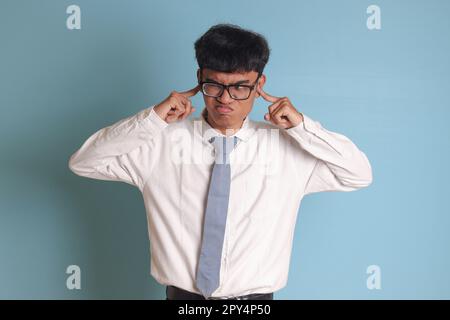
{"x": 176, "y": 106}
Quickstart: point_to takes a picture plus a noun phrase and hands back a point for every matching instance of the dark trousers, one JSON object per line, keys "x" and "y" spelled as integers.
{"x": 175, "y": 293}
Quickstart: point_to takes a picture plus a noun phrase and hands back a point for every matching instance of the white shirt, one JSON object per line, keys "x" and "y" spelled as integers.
{"x": 269, "y": 178}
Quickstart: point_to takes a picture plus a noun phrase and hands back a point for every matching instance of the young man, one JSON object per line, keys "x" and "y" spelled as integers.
{"x": 221, "y": 205}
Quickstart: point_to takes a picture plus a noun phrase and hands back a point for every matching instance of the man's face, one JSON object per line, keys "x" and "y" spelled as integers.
{"x": 224, "y": 111}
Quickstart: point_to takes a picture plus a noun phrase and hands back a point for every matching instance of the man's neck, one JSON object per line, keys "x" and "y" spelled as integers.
{"x": 224, "y": 131}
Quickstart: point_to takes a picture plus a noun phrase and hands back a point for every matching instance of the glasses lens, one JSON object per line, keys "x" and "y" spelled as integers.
{"x": 212, "y": 90}
{"x": 239, "y": 92}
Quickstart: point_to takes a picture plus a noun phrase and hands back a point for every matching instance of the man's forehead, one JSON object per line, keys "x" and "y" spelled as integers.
{"x": 229, "y": 77}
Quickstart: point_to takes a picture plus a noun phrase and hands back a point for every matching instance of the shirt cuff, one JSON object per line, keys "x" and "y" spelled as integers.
{"x": 300, "y": 131}
{"x": 309, "y": 129}
{"x": 153, "y": 123}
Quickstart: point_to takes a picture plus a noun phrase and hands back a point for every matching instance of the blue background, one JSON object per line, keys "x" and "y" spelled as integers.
{"x": 387, "y": 90}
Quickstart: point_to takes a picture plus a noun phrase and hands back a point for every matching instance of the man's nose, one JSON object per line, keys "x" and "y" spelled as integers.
{"x": 225, "y": 98}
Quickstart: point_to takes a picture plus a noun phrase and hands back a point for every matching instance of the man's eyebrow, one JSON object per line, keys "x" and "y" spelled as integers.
{"x": 239, "y": 82}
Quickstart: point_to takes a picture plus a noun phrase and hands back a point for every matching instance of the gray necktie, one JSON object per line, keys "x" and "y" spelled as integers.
{"x": 208, "y": 272}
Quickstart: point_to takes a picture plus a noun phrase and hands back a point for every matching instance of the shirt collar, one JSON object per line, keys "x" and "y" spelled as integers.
{"x": 244, "y": 133}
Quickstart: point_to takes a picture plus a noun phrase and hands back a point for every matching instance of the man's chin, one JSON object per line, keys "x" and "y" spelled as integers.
{"x": 223, "y": 119}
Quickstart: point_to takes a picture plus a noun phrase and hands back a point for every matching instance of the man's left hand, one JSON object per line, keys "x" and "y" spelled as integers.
{"x": 281, "y": 112}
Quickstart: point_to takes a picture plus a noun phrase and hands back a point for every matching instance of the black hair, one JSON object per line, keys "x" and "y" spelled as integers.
{"x": 230, "y": 48}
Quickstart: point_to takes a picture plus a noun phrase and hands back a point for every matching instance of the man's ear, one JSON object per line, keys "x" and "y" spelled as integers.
{"x": 260, "y": 84}
{"x": 199, "y": 76}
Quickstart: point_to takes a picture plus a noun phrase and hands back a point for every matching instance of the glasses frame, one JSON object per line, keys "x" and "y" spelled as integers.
{"x": 227, "y": 87}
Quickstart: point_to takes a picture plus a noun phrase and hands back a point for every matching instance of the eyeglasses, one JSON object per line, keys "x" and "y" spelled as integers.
{"x": 236, "y": 91}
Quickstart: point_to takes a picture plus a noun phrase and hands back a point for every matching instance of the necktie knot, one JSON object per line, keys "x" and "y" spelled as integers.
{"x": 223, "y": 147}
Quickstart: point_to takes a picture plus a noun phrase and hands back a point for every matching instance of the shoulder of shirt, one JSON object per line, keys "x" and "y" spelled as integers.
{"x": 185, "y": 124}
{"x": 265, "y": 125}
{"x": 261, "y": 124}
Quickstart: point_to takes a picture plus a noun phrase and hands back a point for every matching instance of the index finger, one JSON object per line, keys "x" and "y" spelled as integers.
{"x": 267, "y": 96}
{"x": 191, "y": 93}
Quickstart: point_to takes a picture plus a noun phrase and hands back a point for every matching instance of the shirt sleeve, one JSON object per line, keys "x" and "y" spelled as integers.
{"x": 118, "y": 152}
{"x": 339, "y": 166}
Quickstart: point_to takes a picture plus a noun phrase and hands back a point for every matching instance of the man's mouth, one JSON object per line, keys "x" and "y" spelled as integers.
{"x": 223, "y": 109}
